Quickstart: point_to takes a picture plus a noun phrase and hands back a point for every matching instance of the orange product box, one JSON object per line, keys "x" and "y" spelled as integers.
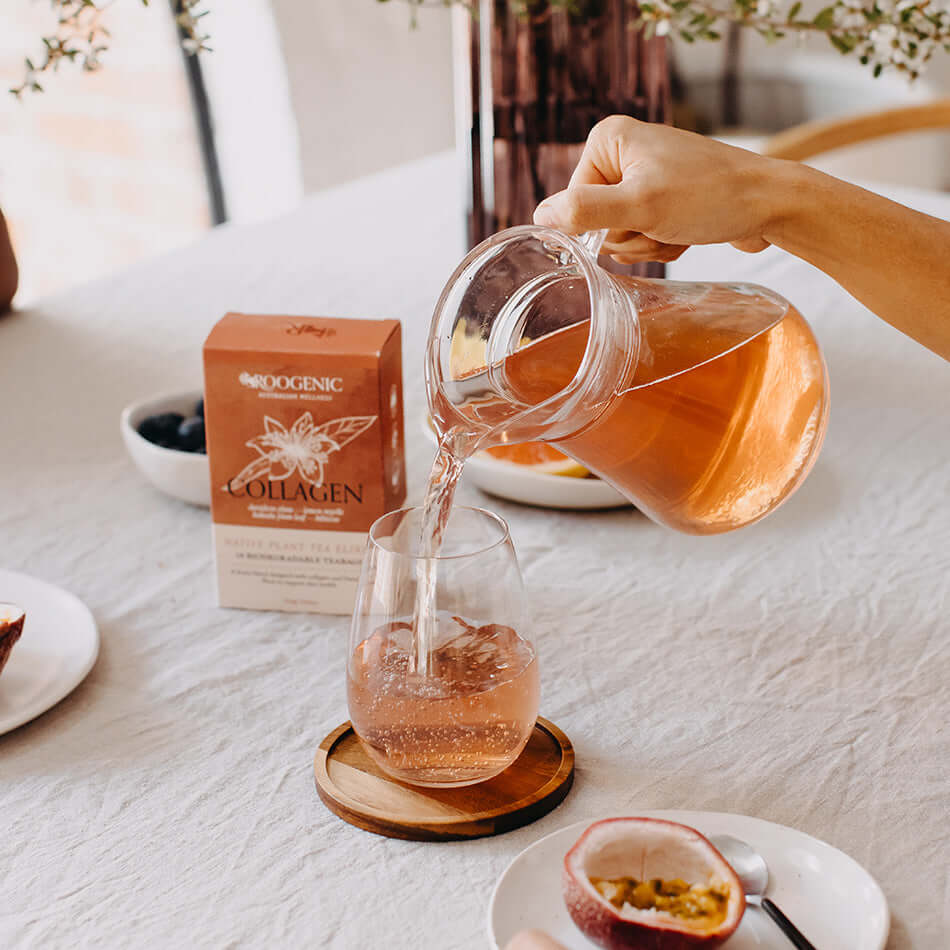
{"x": 304, "y": 426}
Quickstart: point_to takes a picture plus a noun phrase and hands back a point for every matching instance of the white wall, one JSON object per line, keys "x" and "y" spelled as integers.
{"x": 255, "y": 128}
{"x": 367, "y": 90}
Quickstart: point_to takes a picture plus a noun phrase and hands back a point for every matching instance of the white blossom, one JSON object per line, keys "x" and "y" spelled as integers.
{"x": 849, "y": 19}
{"x": 884, "y": 37}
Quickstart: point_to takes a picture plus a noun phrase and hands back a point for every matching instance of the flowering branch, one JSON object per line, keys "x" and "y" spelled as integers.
{"x": 80, "y": 37}
{"x": 884, "y": 34}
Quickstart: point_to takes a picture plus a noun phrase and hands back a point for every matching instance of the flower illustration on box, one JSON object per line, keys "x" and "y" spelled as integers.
{"x": 303, "y": 448}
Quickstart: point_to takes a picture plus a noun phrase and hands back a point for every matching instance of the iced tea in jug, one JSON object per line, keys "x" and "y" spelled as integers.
{"x": 704, "y": 403}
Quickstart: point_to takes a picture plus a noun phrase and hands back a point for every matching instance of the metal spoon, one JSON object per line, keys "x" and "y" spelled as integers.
{"x": 753, "y": 872}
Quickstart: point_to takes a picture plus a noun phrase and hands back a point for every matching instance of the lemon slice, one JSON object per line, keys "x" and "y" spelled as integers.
{"x": 466, "y": 352}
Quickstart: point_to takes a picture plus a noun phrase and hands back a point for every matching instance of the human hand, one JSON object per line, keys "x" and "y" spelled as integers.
{"x": 533, "y": 940}
{"x": 659, "y": 189}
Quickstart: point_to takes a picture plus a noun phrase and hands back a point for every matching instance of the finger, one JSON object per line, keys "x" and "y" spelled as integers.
{"x": 586, "y": 171}
{"x": 751, "y": 245}
{"x": 586, "y": 208}
{"x": 661, "y": 257}
{"x": 600, "y": 162}
{"x": 642, "y": 248}
{"x": 616, "y": 239}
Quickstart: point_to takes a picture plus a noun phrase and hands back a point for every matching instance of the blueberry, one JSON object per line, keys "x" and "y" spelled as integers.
{"x": 200, "y": 408}
{"x": 191, "y": 434}
{"x": 162, "y": 429}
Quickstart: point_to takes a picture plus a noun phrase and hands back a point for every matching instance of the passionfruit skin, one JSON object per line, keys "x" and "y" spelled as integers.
{"x": 11, "y": 627}
{"x": 645, "y": 848}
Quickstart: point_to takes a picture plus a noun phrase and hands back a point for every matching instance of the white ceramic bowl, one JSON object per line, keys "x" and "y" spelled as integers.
{"x": 183, "y": 475}
{"x": 528, "y": 487}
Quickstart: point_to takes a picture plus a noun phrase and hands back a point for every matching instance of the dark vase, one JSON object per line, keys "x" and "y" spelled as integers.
{"x": 534, "y": 84}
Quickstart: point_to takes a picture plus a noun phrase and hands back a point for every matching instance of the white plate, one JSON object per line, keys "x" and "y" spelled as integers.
{"x": 829, "y": 896}
{"x": 521, "y": 484}
{"x": 58, "y": 647}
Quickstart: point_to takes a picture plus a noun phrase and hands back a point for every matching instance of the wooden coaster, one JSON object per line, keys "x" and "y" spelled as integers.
{"x": 353, "y": 787}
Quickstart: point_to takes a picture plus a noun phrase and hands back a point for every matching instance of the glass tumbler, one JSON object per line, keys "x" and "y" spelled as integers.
{"x": 456, "y": 704}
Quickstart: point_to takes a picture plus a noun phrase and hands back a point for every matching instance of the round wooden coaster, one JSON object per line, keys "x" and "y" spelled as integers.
{"x": 353, "y": 787}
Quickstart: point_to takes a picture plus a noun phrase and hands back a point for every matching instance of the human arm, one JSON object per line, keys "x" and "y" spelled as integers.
{"x": 660, "y": 190}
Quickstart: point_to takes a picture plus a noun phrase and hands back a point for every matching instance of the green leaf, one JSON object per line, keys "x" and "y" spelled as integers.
{"x": 844, "y": 44}
{"x": 795, "y": 10}
{"x": 825, "y": 19}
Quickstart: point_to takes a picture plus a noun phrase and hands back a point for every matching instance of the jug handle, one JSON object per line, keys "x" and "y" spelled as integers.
{"x": 593, "y": 241}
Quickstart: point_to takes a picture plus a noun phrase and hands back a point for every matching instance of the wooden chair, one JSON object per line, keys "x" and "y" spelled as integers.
{"x": 804, "y": 141}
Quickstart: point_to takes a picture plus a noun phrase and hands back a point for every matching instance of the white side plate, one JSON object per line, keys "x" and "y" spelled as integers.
{"x": 828, "y": 895}
{"x": 59, "y": 646}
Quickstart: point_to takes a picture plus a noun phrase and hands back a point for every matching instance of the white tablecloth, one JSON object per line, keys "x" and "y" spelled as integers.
{"x": 796, "y": 670}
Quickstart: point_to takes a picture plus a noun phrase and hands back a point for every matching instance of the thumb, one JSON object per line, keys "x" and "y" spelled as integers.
{"x": 587, "y": 208}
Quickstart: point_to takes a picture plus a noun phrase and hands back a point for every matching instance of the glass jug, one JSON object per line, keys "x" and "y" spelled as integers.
{"x": 704, "y": 403}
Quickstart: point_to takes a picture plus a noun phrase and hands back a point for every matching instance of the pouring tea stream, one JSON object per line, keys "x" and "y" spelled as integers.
{"x": 704, "y": 403}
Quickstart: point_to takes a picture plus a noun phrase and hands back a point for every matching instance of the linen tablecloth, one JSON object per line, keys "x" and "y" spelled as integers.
{"x": 796, "y": 670}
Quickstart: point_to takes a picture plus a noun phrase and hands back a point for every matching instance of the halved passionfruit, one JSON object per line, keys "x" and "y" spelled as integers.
{"x": 11, "y": 626}
{"x": 648, "y": 884}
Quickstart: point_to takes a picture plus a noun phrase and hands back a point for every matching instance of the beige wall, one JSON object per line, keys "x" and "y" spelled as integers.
{"x": 367, "y": 91}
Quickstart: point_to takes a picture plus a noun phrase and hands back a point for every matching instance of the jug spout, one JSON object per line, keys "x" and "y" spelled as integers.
{"x": 522, "y": 286}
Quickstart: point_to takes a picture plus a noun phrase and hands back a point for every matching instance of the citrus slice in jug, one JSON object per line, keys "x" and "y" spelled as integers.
{"x": 539, "y": 457}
